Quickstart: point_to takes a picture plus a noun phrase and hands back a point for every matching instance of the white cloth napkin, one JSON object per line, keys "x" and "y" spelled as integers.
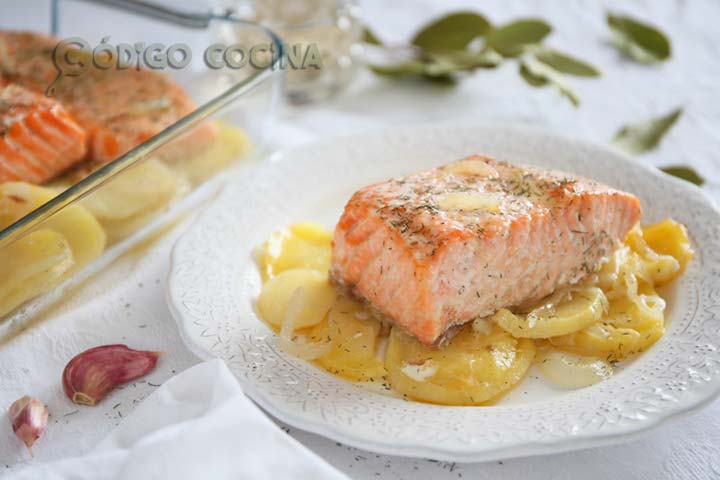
{"x": 198, "y": 425}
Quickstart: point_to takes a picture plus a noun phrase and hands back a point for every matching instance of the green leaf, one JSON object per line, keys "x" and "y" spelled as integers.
{"x": 539, "y": 74}
{"x": 434, "y": 69}
{"x": 440, "y": 66}
{"x": 452, "y": 32}
{"x": 530, "y": 78}
{"x": 409, "y": 67}
{"x": 509, "y": 40}
{"x": 644, "y": 136}
{"x": 564, "y": 63}
{"x": 369, "y": 37}
{"x": 638, "y": 41}
{"x": 470, "y": 60}
{"x": 684, "y": 172}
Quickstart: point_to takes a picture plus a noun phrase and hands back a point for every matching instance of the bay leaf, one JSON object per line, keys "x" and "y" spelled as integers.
{"x": 538, "y": 74}
{"x": 452, "y": 32}
{"x": 684, "y": 172}
{"x": 466, "y": 60}
{"x": 530, "y": 78}
{"x": 369, "y": 37}
{"x": 510, "y": 39}
{"x": 564, "y": 63}
{"x": 644, "y": 136}
{"x": 638, "y": 41}
{"x": 409, "y": 67}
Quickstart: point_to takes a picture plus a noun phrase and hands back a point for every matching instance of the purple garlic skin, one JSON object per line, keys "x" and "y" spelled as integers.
{"x": 92, "y": 374}
{"x": 28, "y": 417}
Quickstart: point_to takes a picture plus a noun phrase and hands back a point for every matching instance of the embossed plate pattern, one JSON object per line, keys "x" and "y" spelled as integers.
{"x": 214, "y": 281}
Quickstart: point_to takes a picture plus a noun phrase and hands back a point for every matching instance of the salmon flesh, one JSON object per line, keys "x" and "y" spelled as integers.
{"x": 38, "y": 139}
{"x": 119, "y": 108}
{"x": 436, "y": 249}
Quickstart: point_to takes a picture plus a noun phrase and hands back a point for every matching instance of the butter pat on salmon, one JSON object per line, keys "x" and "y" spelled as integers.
{"x": 437, "y": 249}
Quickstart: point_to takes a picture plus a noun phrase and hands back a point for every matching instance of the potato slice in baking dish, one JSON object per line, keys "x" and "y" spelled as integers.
{"x": 629, "y": 328}
{"x": 473, "y": 368}
{"x": 232, "y": 144}
{"x": 74, "y": 222}
{"x": 303, "y": 245}
{"x": 134, "y": 197}
{"x": 317, "y": 298}
{"x": 354, "y": 335}
{"x": 559, "y": 314}
{"x": 32, "y": 265}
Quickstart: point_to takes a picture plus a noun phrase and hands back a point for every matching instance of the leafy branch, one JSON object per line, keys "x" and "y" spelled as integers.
{"x": 466, "y": 41}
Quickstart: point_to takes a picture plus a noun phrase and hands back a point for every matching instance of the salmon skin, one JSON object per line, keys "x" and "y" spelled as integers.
{"x": 437, "y": 249}
{"x": 38, "y": 139}
{"x": 119, "y": 108}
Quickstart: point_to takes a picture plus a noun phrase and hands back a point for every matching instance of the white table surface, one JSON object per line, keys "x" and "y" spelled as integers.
{"x": 130, "y": 297}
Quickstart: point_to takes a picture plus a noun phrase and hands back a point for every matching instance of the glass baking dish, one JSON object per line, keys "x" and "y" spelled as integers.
{"x": 55, "y": 235}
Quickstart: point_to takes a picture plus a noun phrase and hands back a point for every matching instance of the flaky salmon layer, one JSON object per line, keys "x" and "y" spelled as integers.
{"x": 38, "y": 139}
{"x": 119, "y": 108}
{"x": 439, "y": 248}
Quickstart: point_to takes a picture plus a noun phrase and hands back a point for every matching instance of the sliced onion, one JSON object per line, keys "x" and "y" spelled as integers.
{"x": 651, "y": 305}
{"x": 571, "y": 371}
{"x": 483, "y": 326}
{"x": 298, "y": 345}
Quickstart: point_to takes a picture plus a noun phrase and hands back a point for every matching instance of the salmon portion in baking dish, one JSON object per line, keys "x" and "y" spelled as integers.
{"x": 38, "y": 139}
{"x": 437, "y": 249}
{"x": 119, "y": 108}
{"x": 123, "y": 108}
{"x": 26, "y": 58}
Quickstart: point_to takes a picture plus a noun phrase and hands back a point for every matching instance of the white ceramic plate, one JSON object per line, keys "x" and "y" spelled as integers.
{"x": 214, "y": 282}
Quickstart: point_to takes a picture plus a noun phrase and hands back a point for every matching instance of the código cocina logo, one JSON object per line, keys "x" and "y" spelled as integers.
{"x": 75, "y": 56}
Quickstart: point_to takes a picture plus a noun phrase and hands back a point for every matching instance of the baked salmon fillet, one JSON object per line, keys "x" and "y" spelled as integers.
{"x": 119, "y": 108}
{"x": 38, "y": 139}
{"x": 437, "y": 249}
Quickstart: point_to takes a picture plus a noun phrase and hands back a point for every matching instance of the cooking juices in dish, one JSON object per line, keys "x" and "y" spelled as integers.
{"x": 447, "y": 285}
{"x": 49, "y": 143}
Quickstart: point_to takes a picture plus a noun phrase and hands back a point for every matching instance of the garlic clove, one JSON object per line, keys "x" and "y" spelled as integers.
{"x": 92, "y": 374}
{"x": 28, "y": 417}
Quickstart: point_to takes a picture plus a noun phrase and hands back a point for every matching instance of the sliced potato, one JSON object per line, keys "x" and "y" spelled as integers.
{"x": 559, "y": 314}
{"x": 317, "y": 297}
{"x": 144, "y": 187}
{"x": 618, "y": 276}
{"x": 571, "y": 371}
{"x": 354, "y": 335}
{"x": 472, "y": 368}
{"x": 630, "y": 327}
{"x": 303, "y": 306}
{"x": 133, "y": 199}
{"x": 31, "y": 266}
{"x": 232, "y": 143}
{"x": 18, "y": 199}
{"x": 669, "y": 238}
{"x": 81, "y": 230}
{"x": 303, "y": 245}
{"x": 657, "y": 268}
{"x": 74, "y": 222}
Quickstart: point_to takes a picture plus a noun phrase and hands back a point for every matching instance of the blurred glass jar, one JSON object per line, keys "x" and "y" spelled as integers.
{"x": 329, "y": 29}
